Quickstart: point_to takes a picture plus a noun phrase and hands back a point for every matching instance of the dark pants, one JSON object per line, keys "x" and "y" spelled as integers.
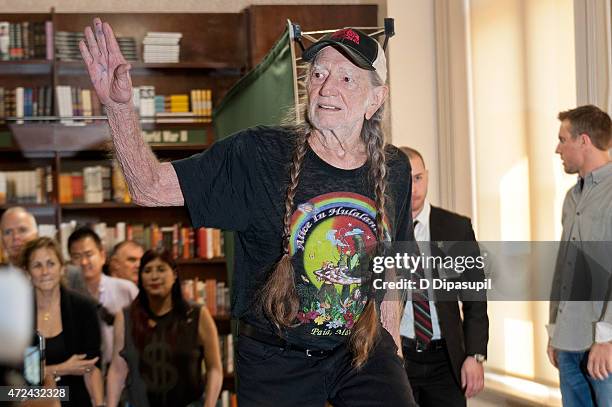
{"x": 431, "y": 378}
{"x": 271, "y": 376}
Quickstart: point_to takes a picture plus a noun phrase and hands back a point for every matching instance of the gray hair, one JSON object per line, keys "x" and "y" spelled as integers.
{"x": 16, "y": 210}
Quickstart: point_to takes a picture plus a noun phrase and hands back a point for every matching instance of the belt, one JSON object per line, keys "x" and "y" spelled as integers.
{"x": 268, "y": 338}
{"x": 415, "y": 346}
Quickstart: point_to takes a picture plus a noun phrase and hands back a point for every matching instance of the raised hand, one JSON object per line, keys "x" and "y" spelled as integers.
{"x": 108, "y": 70}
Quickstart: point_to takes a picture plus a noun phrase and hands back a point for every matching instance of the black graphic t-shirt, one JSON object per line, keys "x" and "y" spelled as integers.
{"x": 240, "y": 184}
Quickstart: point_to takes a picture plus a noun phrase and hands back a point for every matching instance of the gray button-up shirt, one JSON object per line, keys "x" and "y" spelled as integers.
{"x": 587, "y": 217}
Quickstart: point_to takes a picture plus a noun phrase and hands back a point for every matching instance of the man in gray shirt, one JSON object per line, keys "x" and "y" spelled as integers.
{"x": 580, "y": 328}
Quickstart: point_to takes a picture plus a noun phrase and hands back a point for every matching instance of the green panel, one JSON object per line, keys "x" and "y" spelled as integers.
{"x": 5, "y": 139}
{"x": 260, "y": 97}
{"x": 199, "y": 136}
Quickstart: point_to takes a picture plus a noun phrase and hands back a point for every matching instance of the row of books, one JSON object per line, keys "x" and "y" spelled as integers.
{"x": 93, "y": 184}
{"x": 226, "y": 345}
{"x": 209, "y": 292}
{"x": 24, "y": 102}
{"x": 183, "y": 242}
{"x": 161, "y": 47}
{"x": 26, "y": 187}
{"x": 204, "y": 243}
{"x": 74, "y": 101}
{"x": 175, "y": 108}
{"x": 32, "y": 102}
{"x": 67, "y": 46}
{"x": 37, "y": 40}
{"x": 26, "y": 40}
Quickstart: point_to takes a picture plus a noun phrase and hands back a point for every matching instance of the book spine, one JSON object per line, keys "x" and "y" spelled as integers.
{"x": 49, "y": 43}
{"x": 4, "y": 40}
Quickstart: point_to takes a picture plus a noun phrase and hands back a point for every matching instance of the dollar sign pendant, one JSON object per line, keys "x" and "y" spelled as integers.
{"x": 163, "y": 375}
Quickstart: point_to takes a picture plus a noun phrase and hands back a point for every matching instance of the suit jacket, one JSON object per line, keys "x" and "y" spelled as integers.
{"x": 470, "y": 335}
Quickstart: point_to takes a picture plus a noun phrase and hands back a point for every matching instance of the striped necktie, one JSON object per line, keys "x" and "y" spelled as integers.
{"x": 422, "y": 313}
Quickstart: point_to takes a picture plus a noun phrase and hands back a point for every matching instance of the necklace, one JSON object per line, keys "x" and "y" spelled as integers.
{"x": 46, "y": 316}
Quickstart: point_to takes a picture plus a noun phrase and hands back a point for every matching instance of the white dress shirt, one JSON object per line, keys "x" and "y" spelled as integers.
{"x": 421, "y": 234}
{"x": 114, "y": 294}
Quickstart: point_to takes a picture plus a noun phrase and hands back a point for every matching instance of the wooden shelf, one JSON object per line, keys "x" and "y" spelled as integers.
{"x": 95, "y": 136}
{"x": 144, "y": 68}
{"x": 177, "y": 126}
{"x": 216, "y": 260}
{"x": 28, "y": 205}
{"x": 26, "y": 67}
{"x": 26, "y": 62}
{"x": 102, "y": 205}
{"x": 178, "y": 147}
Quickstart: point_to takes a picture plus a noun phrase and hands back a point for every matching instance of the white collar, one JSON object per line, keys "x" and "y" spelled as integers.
{"x": 423, "y": 216}
{"x": 103, "y": 281}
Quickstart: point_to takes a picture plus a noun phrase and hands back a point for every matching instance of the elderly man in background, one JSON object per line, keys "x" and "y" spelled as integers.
{"x": 18, "y": 227}
{"x": 125, "y": 260}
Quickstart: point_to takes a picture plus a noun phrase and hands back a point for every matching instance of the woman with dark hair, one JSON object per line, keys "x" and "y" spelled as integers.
{"x": 308, "y": 202}
{"x": 161, "y": 341}
{"x": 69, "y": 323}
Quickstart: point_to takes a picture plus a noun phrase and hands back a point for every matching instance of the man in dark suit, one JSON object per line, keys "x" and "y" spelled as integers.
{"x": 443, "y": 353}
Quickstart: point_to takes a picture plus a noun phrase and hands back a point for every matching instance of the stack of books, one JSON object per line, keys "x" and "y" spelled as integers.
{"x": 24, "y": 102}
{"x": 183, "y": 242}
{"x": 175, "y": 108}
{"x": 67, "y": 45}
{"x": 161, "y": 47}
{"x": 209, "y": 292}
{"x": 128, "y": 48}
{"x": 26, "y": 187}
{"x": 24, "y": 40}
{"x": 93, "y": 184}
{"x": 73, "y": 101}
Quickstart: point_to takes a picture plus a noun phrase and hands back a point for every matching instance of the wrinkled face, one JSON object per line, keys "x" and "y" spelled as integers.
{"x": 17, "y": 229}
{"x": 45, "y": 269}
{"x": 86, "y": 254}
{"x": 340, "y": 94}
{"x": 420, "y": 179}
{"x": 570, "y": 149}
{"x": 124, "y": 264}
{"x": 157, "y": 278}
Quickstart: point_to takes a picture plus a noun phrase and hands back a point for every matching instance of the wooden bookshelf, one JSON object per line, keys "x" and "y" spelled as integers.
{"x": 213, "y": 56}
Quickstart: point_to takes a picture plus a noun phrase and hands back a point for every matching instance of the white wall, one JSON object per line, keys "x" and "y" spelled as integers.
{"x": 523, "y": 74}
{"x": 413, "y": 82}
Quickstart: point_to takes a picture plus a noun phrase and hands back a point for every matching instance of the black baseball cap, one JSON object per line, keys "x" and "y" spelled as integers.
{"x": 363, "y": 50}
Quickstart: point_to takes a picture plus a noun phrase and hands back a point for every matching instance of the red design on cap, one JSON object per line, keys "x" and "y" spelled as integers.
{"x": 346, "y": 34}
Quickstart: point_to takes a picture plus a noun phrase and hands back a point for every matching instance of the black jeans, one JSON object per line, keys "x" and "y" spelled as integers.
{"x": 271, "y": 376}
{"x": 432, "y": 380}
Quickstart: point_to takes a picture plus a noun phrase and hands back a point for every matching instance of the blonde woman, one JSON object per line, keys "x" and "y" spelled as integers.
{"x": 68, "y": 322}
